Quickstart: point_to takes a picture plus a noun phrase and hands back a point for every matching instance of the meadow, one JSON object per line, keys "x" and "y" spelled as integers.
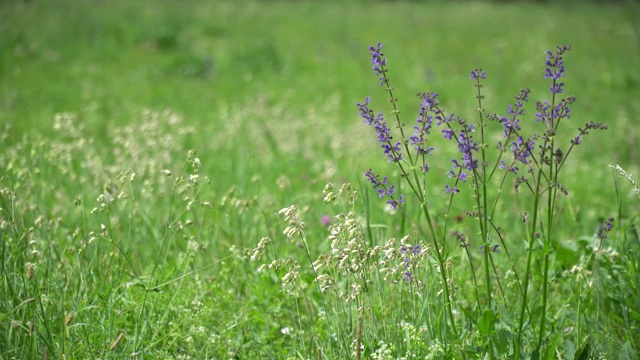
{"x": 187, "y": 180}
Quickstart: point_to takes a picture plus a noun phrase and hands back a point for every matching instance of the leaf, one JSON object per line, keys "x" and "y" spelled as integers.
{"x": 627, "y": 352}
{"x": 501, "y": 341}
{"x": 583, "y": 353}
{"x": 486, "y": 325}
{"x": 552, "y": 343}
{"x": 569, "y": 349}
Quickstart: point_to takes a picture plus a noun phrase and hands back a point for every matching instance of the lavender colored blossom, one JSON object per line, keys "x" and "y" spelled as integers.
{"x": 493, "y": 249}
{"x": 511, "y": 123}
{"x": 478, "y": 74}
{"x": 522, "y": 149}
{"x": 555, "y": 68}
{"x": 383, "y": 188}
{"x": 577, "y": 140}
{"x": 543, "y": 110}
{"x": 379, "y": 62}
{"x": 415, "y": 250}
{"x": 449, "y": 189}
{"x": 606, "y": 227}
{"x": 424, "y": 122}
{"x": 392, "y": 150}
{"x": 467, "y": 147}
{"x": 395, "y": 203}
{"x": 365, "y": 112}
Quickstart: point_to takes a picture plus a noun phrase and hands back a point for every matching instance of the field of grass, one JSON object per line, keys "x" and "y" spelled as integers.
{"x": 148, "y": 147}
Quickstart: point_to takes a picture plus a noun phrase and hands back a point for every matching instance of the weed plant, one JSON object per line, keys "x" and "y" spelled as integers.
{"x": 473, "y": 286}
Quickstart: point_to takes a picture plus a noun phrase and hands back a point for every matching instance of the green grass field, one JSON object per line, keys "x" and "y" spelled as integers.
{"x": 147, "y": 148}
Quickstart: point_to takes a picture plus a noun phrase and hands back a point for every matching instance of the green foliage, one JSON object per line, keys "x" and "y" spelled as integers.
{"x": 117, "y": 240}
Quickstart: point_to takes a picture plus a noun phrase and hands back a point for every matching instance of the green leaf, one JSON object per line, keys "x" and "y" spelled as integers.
{"x": 583, "y": 353}
{"x": 552, "y": 344}
{"x": 569, "y": 349}
{"x": 486, "y": 325}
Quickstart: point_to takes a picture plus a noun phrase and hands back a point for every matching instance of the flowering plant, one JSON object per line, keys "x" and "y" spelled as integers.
{"x": 533, "y": 160}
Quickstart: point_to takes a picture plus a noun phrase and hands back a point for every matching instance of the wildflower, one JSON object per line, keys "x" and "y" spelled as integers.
{"x": 423, "y": 126}
{"x": 555, "y": 68}
{"x": 395, "y": 203}
{"x": 379, "y": 62}
{"x": 449, "y": 189}
{"x": 512, "y": 123}
{"x": 606, "y": 227}
{"x": 522, "y": 149}
{"x": 478, "y": 74}
{"x": 493, "y": 249}
{"x": 384, "y": 189}
{"x": 406, "y": 252}
{"x": 392, "y": 150}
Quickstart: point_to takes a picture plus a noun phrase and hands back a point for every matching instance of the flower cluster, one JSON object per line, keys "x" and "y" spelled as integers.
{"x": 407, "y": 251}
{"x": 384, "y": 189}
{"x": 478, "y": 74}
{"x": 493, "y": 249}
{"x": 424, "y": 122}
{"x": 606, "y": 227}
{"x": 392, "y": 151}
{"x": 511, "y": 124}
{"x": 555, "y": 68}
{"x": 379, "y": 62}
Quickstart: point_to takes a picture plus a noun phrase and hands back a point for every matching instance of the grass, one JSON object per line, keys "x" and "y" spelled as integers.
{"x": 119, "y": 240}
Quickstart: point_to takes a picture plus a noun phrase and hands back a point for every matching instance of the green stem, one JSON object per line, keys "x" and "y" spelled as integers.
{"x": 442, "y": 266}
{"x": 525, "y": 286}
{"x": 547, "y": 244}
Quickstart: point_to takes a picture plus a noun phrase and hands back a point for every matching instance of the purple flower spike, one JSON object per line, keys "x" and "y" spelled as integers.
{"x": 478, "y": 74}
{"x": 379, "y": 62}
{"x": 383, "y": 189}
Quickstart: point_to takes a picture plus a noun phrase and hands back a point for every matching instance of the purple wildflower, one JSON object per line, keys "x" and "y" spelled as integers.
{"x": 415, "y": 250}
{"x": 606, "y": 227}
{"x": 512, "y": 123}
{"x": 379, "y": 62}
{"x": 577, "y": 140}
{"x": 424, "y": 122}
{"x": 555, "y": 68}
{"x": 478, "y": 74}
{"x": 522, "y": 149}
{"x": 449, "y": 189}
{"x": 494, "y": 249}
{"x": 365, "y": 112}
{"x": 384, "y": 189}
{"x": 392, "y": 150}
{"x": 467, "y": 147}
{"x": 395, "y": 203}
